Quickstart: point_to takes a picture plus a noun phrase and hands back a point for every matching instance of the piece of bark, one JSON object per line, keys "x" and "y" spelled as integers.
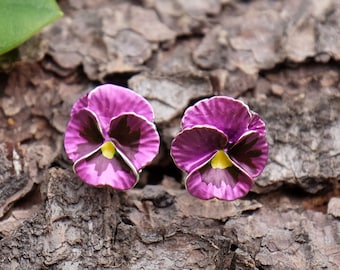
{"x": 14, "y": 181}
{"x": 170, "y": 96}
{"x": 22, "y": 167}
{"x": 107, "y": 40}
{"x": 270, "y": 32}
{"x": 186, "y": 17}
{"x": 81, "y": 226}
{"x": 302, "y": 125}
{"x": 334, "y": 207}
{"x": 32, "y": 114}
{"x": 233, "y": 84}
{"x": 177, "y": 60}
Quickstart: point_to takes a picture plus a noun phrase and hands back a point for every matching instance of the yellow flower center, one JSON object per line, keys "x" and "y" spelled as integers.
{"x": 221, "y": 160}
{"x": 108, "y": 150}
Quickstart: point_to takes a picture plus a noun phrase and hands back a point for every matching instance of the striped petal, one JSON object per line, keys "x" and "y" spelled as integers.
{"x": 111, "y": 100}
{"x": 83, "y": 134}
{"x": 81, "y": 103}
{"x": 224, "y": 113}
{"x": 98, "y": 170}
{"x": 250, "y": 153}
{"x": 195, "y": 146}
{"x": 136, "y": 138}
{"x": 224, "y": 184}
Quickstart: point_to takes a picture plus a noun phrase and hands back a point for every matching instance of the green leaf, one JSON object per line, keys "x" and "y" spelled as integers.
{"x": 21, "y": 19}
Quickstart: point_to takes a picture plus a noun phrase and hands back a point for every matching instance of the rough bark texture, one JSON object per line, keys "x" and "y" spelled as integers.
{"x": 280, "y": 57}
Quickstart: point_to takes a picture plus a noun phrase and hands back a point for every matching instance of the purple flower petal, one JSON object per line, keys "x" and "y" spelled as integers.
{"x": 250, "y": 153}
{"x": 224, "y": 184}
{"x": 110, "y": 100}
{"x": 193, "y": 147}
{"x": 81, "y": 103}
{"x": 136, "y": 138}
{"x": 99, "y": 171}
{"x": 257, "y": 124}
{"x": 83, "y": 135}
{"x": 225, "y": 113}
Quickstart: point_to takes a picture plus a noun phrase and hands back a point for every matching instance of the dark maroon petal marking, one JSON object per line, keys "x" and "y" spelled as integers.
{"x": 135, "y": 137}
{"x": 193, "y": 147}
{"x": 82, "y": 135}
{"x": 250, "y": 153}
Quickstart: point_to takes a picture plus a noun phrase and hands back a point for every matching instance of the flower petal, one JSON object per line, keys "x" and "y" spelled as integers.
{"x": 81, "y": 103}
{"x": 111, "y": 100}
{"x": 193, "y": 147}
{"x": 98, "y": 171}
{"x": 83, "y": 135}
{"x": 257, "y": 124}
{"x": 224, "y": 184}
{"x": 225, "y": 113}
{"x": 250, "y": 153}
{"x": 135, "y": 137}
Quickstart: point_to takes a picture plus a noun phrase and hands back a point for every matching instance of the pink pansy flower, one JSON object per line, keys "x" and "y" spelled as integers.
{"x": 222, "y": 147}
{"x": 111, "y": 136}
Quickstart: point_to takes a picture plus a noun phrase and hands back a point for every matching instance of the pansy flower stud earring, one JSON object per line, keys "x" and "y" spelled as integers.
{"x": 222, "y": 147}
{"x": 111, "y": 136}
